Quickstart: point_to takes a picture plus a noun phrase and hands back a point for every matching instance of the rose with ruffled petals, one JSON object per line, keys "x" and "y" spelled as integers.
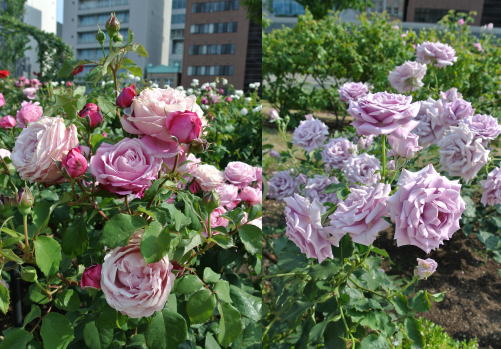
{"x": 208, "y": 176}
{"x": 436, "y": 53}
{"x": 337, "y": 150}
{"x": 127, "y": 167}
{"x": 132, "y": 286}
{"x": 362, "y": 169}
{"x": 426, "y": 208}
{"x": 304, "y": 227}
{"x": 29, "y": 112}
{"x": 361, "y": 215}
{"x": 431, "y": 126}
{"x": 251, "y": 195}
{"x": 384, "y": 113}
{"x": 406, "y": 147}
{"x": 455, "y": 111}
{"x": 491, "y": 188}
{"x": 310, "y": 134}
{"x": 153, "y": 107}
{"x": 407, "y": 77}
{"x": 281, "y": 185}
{"x": 228, "y": 195}
{"x": 40, "y": 146}
{"x": 239, "y": 173}
{"x": 316, "y": 186}
{"x": 483, "y": 126}
{"x": 425, "y": 268}
{"x": 30, "y": 92}
{"x": 461, "y": 153}
{"x": 7, "y": 122}
{"x": 352, "y": 91}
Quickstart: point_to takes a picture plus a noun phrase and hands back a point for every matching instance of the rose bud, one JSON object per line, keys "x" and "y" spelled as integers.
{"x": 100, "y": 36}
{"x": 117, "y": 37}
{"x": 25, "y": 201}
{"x": 211, "y": 200}
{"x": 112, "y": 24}
{"x": 124, "y": 100}
{"x": 194, "y": 187}
{"x": 425, "y": 268}
{"x": 75, "y": 163}
{"x": 185, "y": 126}
{"x": 7, "y": 121}
{"x": 77, "y": 70}
{"x": 93, "y": 112}
{"x": 91, "y": 277}
{"x": 251, "y": 195}
{"x": 199, "y": 146}
{"x": 69, "y": 84}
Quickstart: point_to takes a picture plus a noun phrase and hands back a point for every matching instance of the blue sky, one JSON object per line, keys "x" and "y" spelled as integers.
{"x": 60, "y": 10}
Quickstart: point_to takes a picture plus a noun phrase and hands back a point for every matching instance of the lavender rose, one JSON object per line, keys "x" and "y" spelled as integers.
{"x": 436, "y": 53}
{"x": 304, "y": 227}
{"x": 362, "y": 169}
{"x": 384, "y": 113}
{"x": 405, "y": 146}
{"x": 407, "y": 77}
{"x": 208, "y": 176}
{"x": 39, "y": 146}
{"x": 132, "y": 286}
{"x": 365, "y": 142}
{"x": 426, "y": 208}
{"x": 281, "y": 185}
{"x": 461, "y": 153}
{"x": 127, "y": 167}
{"x": 239, "y": 173}
{"x": 310, "y": 134}
{"x": 425, "y": 268}
{"x": 315, "y": 189}
{"x": 491, "y": 188}
{"x": 360, "y": 215}
{"x": 337, "y": 150}
{"x": 352, "y": 91}
{"x": 484, "y": 126}
{"x": 29, "y": 112}
{"x": 430, "y": 127}
{"x": 455, "y": 111}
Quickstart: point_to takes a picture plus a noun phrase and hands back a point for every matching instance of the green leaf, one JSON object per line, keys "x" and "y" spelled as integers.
{"x": 37, "y": 295}
{"x": 210, "y": 342}
{"x": 373, "y": 341}
{"x": 29, "y": 274}
{"x": 4, "y": 299}
{"x": 56, "y": 331}
{"x": 230, "y": 324}
{"x": 413, "y": 331}
{"x": 210, "y": 275}
{"x": 222, "y": 290}
{"x": 420, "y": 302}
{"x": 10, "y": 255}
{"x": 47, "y": 255}
{"x": 96, "y": 139}
{"x": 155, "y": 243}
{"x": 140, "y": 50}
{"x": 200, "y": 306}
{"x": 16, "y": 338}
{"x": 91, "y": 336}
{"x": 251, "y": 237}
{"x": 107, "y": 106}
{"x": 119, "y": 228}
{"x": 223, "y": 241}
{"x": 248, "y": 305}
{"x": 401, "y": 304}
{"x": 167, "y": 329}
{"x": 68, "y": 300}
{"x": 188, "y": 284}
{"x": 180, "y": 220}
{"x": 380, "y": 252}
{"x": 75, "y": 239}
{"x": 34, "y": 313}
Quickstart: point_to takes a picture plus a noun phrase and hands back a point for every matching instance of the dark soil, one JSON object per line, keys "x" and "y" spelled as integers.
{"x": 472, "y": 305}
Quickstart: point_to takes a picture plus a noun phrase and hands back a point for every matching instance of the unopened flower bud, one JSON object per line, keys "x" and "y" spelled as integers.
{"x": 117, "y": 37}
{"x": 211, "y": 201}
{"x": 25, "y": 201}
{"x": 198, "y": 146}
{"x": 425, "y": 268}
{"x": 100, "y": 36}
{"x": 112, "y": 25}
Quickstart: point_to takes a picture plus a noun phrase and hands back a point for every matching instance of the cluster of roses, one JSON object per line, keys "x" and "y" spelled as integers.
{"x": 169, "y": 124}
{"x": 30, "y": 86}
{"x": 426, "y": 207}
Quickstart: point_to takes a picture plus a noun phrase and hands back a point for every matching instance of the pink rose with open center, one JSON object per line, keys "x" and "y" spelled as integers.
{"x": 239, "y": 173}
{"x": 132, "y": 286}
{"x": 228, "y": 195}
{"x": 208, "y": 176}
{"x": 29, "y": 112}
{"x": 407, "y": 77}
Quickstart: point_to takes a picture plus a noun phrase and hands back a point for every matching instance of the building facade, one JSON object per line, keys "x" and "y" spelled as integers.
{"x": 149, "y": 20}
{"x": 215, "y": 41}
{"x": 177, "y": 33}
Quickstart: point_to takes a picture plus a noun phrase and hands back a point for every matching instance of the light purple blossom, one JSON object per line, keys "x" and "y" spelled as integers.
{"x": 407, "y": 77}
{"x": 426, "y": 208}
{"x": 436, "y": 53}
{"x": 362, "y": 169}
{"x": 315, "y": 188}
{"x": 360, "y": 215}
{"x": 337, "y": 150}
{"x": 406, "y": 147}
{"x": 461, "y": 153}
{"x": 450, "y": 95}
{"x": 430, "y": 127}
{"x": 384, "y": 113}
{"x": 484, "y": 126}
{"x": 491, "y": 188}
{"x": 365, "y": 142}
{"x": 352, "y": 91}
{"x": 304, "y": 227}
{"x": 455, "y": 111}
{"x": 310, "y": 134}
{"x": 281, "y": 185}
{"x": 425, "y": 268}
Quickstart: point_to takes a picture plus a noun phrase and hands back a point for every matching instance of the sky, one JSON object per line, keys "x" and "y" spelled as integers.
{"x": 60, "y": 10}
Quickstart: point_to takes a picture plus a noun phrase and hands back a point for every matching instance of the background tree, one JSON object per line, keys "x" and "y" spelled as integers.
{"x": 320, "y": 8}
{"x": 12, "y": 44}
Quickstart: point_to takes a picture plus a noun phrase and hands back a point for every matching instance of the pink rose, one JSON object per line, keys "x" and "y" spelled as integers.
{"x": 35, "y": 83}
{"x": 2, "y": 100}
{"x": 461, "y": 21}
{"x": 153, "y": 107}
{"x": 39, "y": 146}
{"x": 7, "y": 122}
{"x": 132, "y": 286}
{"x": 22, "y": 81}
{"x": 478, "y": 46}
{"x": 251, "y": 195}
{"x": 239, "y": 173}
{"x": 425, "y": 268}
{"x": 304, "y": 227}
{"x": 228, "y": 195}
{"x": 352, "y": 91}
{"x": 436, "y": 53}
{"x": 124, "y": 99}
{"x": 185, "y": 126}
{"x": 75, "y": 163}
{"x": 407, "y": 77}
{"x": 29, "y": 112}
{"x": 30, "y": 92}
{"x": 93, "y": 112}
{"x": 91, "y": 277}
{"x": 127, "y": 167}
{"x": 194, "y": 187}
{"x": 384, "y": 113}
{"x": 491, "y": 188}
{"x": 217, "y": 219}
{"x": 208, "y": 176}
{"x": 426, "y": 208}
{"x": 360, "y": 215}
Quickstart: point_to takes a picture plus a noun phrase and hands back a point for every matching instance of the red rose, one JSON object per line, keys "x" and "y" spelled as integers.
{"x": 93, "y": 112}
{"x": 4, "y": 74}
{"x": 77, "y": 70}
{"x": 124, "y": 100}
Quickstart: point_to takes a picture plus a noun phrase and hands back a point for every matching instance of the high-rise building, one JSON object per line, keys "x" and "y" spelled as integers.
{"x": 216, "y": 42}
{"x": 149, "y": 20}
{"x": 177, "y": 33}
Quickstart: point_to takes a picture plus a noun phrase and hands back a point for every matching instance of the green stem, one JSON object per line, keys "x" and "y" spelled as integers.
{"x": 383, "y": 157}
{"x": 26, "y": 241}
{"x": 271, "y": 276}
{"x": 366, "y": 289}
{"x": 346, "y": 324}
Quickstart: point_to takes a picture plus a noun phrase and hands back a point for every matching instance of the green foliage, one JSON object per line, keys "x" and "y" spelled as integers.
{"x": 320, "y": 8}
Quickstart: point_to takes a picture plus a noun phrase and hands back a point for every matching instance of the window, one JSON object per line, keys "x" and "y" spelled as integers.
{"x": 90, "y": 37}
{"x": 93, "y": 20}
{"x": 430, "y": 15}
{"x": 287, "y": 8}
{"x": 176, "y": 4}
{"x": 210, "y": 70}
{"x": 91, "y": 4}
{"x": 214, "y": 28}
{"x": 224, "y": 49}
{"x": 177, "y": 47}
{"x": 177, "y": 33}
{"x": 91, "y": 53}
{"x": 177, "y": 19}
{"x": 215, "y": 6}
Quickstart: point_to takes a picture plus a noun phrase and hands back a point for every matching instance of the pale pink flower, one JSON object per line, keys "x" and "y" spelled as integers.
{"x": 29, "y": 112}
{"x": 425, "y": 268}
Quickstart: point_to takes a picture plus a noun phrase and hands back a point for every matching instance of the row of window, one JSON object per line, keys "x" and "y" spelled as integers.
{"x": 210, "y": 70}
{"x": 176, "y": 4}
{"x": 215, "y": 6}
{"x": 215, "y": 49}
{"x": 178, "y": 19}
{"x": 91, "y": 4}
{"x": 90, "y": 37}
{"x": 93, "y": 20}
{"x": 214, "y": 28}
{"x": 287, "y": 8}
{"x": 91, "y": 53}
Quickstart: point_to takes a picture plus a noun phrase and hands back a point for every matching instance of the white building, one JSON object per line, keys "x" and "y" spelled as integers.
{"x": 148, "y": 19}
